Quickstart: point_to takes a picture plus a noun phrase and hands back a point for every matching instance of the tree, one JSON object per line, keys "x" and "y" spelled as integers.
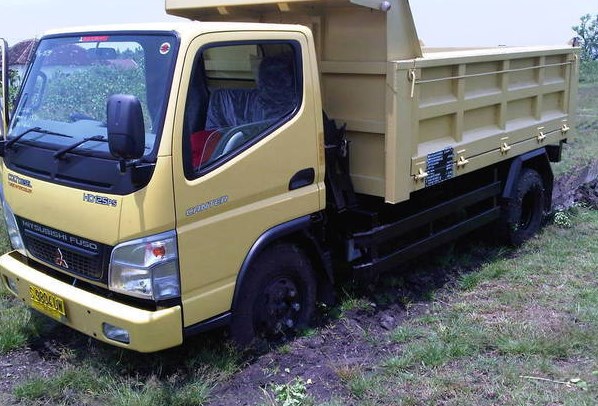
{"x": 587, "y": 32}
{"x": 14, "y": 80}
{"x": 13, "y": 87}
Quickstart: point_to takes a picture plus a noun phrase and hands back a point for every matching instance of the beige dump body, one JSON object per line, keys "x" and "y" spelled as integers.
{"x": 416, "y": 118}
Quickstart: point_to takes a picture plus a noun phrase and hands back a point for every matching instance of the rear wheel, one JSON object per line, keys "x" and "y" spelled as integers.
{"x": 277, "y": 298}
{"x": 525, "y": 212}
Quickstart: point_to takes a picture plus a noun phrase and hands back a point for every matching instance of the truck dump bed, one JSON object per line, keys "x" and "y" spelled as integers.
{"x": 417, "y": 117}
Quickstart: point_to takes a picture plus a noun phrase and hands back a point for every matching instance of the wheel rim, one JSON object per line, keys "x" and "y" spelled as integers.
{"x": 279, "y": 308}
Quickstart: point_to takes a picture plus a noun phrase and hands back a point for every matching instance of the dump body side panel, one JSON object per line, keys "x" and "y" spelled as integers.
{"x": 448, "y": 113}
{"x": 473, "y": 109}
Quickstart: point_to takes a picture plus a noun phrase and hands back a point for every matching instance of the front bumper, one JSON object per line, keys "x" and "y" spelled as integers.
{"x": 149, "y": 331}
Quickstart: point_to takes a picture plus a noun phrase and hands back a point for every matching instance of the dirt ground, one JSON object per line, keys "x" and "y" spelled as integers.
{"x": 36, "y": 360}
{"x": 337, "y": 350}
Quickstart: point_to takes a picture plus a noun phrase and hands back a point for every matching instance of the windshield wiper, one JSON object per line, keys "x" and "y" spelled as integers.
{"x": 11, "y": 141}
{"x": 58, "y": 154}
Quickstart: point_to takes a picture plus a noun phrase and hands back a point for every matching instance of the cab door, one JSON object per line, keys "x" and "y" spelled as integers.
{"x": 246, "y": 155}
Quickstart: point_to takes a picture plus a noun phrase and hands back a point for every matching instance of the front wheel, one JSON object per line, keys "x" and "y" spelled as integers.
{"x": 523, "y": 216}
{"x": 277, "y": 297}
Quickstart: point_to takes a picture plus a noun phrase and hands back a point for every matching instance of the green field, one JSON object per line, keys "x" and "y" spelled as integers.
{"x": 519, "y": 327}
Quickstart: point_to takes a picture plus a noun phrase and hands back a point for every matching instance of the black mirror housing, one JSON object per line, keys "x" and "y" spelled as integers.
{"x": 126, "y": 131}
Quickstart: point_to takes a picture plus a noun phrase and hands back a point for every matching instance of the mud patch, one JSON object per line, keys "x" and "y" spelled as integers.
{"x": 587, "y": 195}
{"x": 576, "y": 186}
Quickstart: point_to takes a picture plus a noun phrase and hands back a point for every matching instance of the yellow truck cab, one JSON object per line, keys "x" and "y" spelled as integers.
{"x": 159, "y": 180}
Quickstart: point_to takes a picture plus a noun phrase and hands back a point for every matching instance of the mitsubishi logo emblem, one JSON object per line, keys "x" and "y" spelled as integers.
{"x": 59, "y": 259}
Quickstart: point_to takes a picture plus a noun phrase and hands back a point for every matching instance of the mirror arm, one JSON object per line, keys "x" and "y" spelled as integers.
{"x": 141, "y": 169}
{"x": 125, "y": 164}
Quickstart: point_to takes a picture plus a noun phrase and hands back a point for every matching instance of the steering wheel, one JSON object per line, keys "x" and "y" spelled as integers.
{"x": 229, "y": 140}
{"x": 238, "y": 135}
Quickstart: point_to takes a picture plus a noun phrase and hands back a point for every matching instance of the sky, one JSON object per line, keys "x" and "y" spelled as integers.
{"x": 439, "y": 22}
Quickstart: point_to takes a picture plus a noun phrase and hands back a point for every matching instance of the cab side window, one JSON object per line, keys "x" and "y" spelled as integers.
{"x": 239, "y": 93}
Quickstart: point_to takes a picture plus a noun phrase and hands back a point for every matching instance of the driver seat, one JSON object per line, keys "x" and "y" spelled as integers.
{"x": 273, "y": 97}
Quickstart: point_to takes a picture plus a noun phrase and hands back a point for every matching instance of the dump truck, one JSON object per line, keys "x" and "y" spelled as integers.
{"x": 160, "y": 180}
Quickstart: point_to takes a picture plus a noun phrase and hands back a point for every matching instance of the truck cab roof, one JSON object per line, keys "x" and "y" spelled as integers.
{"x": 184, "y": 29}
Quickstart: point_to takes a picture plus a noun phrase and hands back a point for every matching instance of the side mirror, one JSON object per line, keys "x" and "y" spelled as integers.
{"x": 126, "y": 131}
{"x": 5, "y": 86}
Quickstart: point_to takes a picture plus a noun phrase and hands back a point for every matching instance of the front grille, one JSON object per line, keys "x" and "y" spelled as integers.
{"x": 65, "y": 251}
{"x": 90, "y": 267}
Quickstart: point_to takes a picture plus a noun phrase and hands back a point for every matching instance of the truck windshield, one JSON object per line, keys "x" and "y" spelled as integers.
{"x": 63, "y": 99}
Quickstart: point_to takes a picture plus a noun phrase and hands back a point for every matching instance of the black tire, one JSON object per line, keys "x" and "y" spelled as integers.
{"x": 277, "y": 298}
{"x": 524, "y": 214}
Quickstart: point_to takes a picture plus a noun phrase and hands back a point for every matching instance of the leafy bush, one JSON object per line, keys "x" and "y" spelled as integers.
{"x": 293, "y": 393}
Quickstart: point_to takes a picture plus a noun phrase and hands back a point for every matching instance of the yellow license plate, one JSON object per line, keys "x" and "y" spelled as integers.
{"x": 47, "y": 303}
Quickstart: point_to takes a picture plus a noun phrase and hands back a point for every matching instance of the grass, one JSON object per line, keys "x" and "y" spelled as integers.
{"x": 81, "y": 384}
{"x": 14, "y": 321}
{"x": 66, "y": 386}
{"x": 111, "y": 376}
{"x": 18, "y": 325}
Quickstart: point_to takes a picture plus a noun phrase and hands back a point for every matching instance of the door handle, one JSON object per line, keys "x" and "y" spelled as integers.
{"x": 302, "y": 178}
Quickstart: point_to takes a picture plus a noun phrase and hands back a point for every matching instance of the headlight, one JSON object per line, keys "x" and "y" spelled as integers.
{"x": 11, "y": 227}
{"x": 146, "y": 268}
